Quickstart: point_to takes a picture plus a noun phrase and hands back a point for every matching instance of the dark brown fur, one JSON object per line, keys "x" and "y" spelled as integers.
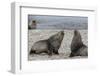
{"x": 77, "y": 46}
{"x": 55, "y": 42}
{"x": 48, "y": 46}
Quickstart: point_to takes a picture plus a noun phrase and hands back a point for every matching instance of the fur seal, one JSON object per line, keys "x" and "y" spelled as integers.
{"x": 49, "y": 46}
{"x": 55, "y": 42}
{"x": 33, "y": 25}
{"x": 77, "y": 46}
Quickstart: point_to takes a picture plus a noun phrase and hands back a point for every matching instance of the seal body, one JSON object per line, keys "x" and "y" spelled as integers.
{"x": 77, "y": 46}
{"x": 49, "y": 46}
{"x": 33, "y": 25}
{"x": 55, "y": 42}
{"x": 40, "y": 47}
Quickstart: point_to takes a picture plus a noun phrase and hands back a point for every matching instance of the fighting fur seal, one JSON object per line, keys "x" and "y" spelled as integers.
{"x": 77, "y": 46}
{"x": 49, "y": 46}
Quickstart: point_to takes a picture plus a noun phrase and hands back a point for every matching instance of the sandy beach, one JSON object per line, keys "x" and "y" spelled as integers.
{"x": 64, "y": 50}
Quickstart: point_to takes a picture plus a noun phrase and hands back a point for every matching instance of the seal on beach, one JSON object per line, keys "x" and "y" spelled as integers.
{"x": 49, "y": 46}
{"x": 77, "y": 46}
{"x": 55, "y": 42}
{"x": 33, "y": 25}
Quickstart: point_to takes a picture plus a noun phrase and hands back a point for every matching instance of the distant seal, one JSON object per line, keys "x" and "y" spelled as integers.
{"x": 49, "y": 46}
{"x": 33, "y": 25}
{"x": 77, "y": 46}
